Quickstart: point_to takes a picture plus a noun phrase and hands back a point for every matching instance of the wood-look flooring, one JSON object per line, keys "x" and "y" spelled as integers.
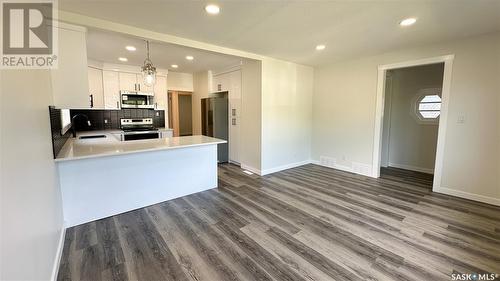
{"x": 306, "y": 223}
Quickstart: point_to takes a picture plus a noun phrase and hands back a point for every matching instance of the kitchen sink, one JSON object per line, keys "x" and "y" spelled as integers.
{"x": 92, "y": 137}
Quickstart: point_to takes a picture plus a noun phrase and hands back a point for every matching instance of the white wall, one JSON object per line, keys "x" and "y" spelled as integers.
{"x": 201, "y": 89}
{"x": 287, "y": 90}
{"x": 31, "y": 212}
{"x": 178, "y": 81}
{"x": 251, "y": 115}
{"x": 411, "y": 143}
{"x": 344, "y": 113}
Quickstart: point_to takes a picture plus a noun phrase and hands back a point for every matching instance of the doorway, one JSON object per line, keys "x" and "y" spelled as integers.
{"x": 180, "y": 116}
{"x": 419, "y": 108}
{"x": 412, "y": 107}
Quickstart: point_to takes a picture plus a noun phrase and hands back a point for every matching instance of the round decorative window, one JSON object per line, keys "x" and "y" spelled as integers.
{"x": 428, "y": 105}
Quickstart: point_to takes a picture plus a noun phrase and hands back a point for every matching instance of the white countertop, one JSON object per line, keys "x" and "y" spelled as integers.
{"x": 75, "y": 148}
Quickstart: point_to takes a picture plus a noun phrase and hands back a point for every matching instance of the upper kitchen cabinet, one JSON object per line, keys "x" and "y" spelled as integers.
{"x": 128, "y": 81}
{"x": 161, "y": 92}
{"x": 111, "y": 85}
{"x": 70, "y": 85}
{"x": 133, "y": 82}
{"x": 96, "y": 91}
{"x": 143, "y": 87}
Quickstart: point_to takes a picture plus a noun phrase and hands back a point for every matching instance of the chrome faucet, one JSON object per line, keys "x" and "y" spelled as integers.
{"x": 73, "y": 122}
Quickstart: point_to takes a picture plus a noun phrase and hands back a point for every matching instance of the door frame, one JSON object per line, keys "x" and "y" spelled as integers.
{"x": 173, "y": 109}
{"x": 443, "y": 118}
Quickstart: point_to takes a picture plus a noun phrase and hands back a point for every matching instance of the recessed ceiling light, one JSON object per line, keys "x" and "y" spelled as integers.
{"x": 212, "y": 9}
{"x": 320, "y": 47}
{"x": 130, "y": 48}
{"x": 189, "y": 57}
{"x": 174, "y": 66}
{"x": 408, "y": 22}
{"x": 122, "y": 59}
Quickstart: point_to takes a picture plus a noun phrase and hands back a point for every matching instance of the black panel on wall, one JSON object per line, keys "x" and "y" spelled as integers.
{"x": 58, "y": 140}
{"x": 110, "y": 119}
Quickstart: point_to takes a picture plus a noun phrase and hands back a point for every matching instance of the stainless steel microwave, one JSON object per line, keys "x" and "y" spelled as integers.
{"x": 137, "y": 99}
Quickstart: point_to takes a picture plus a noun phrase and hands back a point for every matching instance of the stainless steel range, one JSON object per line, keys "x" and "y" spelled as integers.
{"x": 138, "y": 129}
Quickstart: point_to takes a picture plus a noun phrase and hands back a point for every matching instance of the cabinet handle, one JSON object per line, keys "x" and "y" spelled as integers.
{"x": 91, "y": 101}
{"x": 117, "y": 104}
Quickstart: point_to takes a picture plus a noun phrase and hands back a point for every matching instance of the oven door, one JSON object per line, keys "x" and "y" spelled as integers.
{"x": 141, "y": 136}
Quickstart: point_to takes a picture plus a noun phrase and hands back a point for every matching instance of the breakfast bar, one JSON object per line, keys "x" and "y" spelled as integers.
{"x": 104, "y": 176}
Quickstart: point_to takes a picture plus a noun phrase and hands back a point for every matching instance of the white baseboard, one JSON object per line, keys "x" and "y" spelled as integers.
{"x": 285, "y": 167}
{"x": 467, "y": 195}
{"x": 357, "y": 168}
{"x": 251, "y": 169}
{"x": 57, "y": 259}
{"x": 412, "y": 168}
{"x": 333, "y": 166}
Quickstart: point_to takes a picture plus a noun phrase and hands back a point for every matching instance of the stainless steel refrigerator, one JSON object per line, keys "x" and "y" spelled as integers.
{"x": 214, "y": 122}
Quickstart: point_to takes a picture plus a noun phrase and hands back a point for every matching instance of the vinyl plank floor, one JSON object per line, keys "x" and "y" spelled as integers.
{"x": 306, "y": 223}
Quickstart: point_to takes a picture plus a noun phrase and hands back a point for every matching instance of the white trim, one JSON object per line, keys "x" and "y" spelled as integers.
{"x": 412, "y": 168}
{"x": 443, "y": 121}
{"x": 227, "y": 70}
{"x": 418, "y": 62}
{"x": 91, "y": 22}
{"x": 467, "y": 195}
{"x": 335, "y": 166}
{"x": 379, "y": 111}
{"x": 251, "y": 169}
{"x": 285, "y": 167}
{"x": 57, "y": 258}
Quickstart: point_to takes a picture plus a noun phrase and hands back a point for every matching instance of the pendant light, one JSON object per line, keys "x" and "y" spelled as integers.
{"x": 148, "y": 70}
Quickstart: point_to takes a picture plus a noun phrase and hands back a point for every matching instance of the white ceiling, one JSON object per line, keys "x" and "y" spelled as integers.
{"x": 291, "y": 29}
{"x": 108, "y": 47}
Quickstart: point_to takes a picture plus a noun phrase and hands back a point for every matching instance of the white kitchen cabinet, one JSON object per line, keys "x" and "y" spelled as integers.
{"x": 96, "y": 91}
{"x": 142, "y": 86}
{"x": 111, "y": 85}
{"x": 234, "y": 88}
{"x": 70, "y": 85}
{"x": 133, "y": 82}
{"x": 231, "y": 82}
{"x": 221, "y": 82}
{"x": 161, "y": 93}
{"x": 128, "y": 81}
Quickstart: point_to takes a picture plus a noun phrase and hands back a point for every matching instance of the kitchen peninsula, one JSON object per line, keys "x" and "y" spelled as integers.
{"x": 104, "y": 176}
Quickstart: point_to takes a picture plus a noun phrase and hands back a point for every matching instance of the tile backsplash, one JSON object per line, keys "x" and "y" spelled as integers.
{"x": 110, "y": 119}
{"x": 58, "y": 140}
{"x": 99, "y": 119}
